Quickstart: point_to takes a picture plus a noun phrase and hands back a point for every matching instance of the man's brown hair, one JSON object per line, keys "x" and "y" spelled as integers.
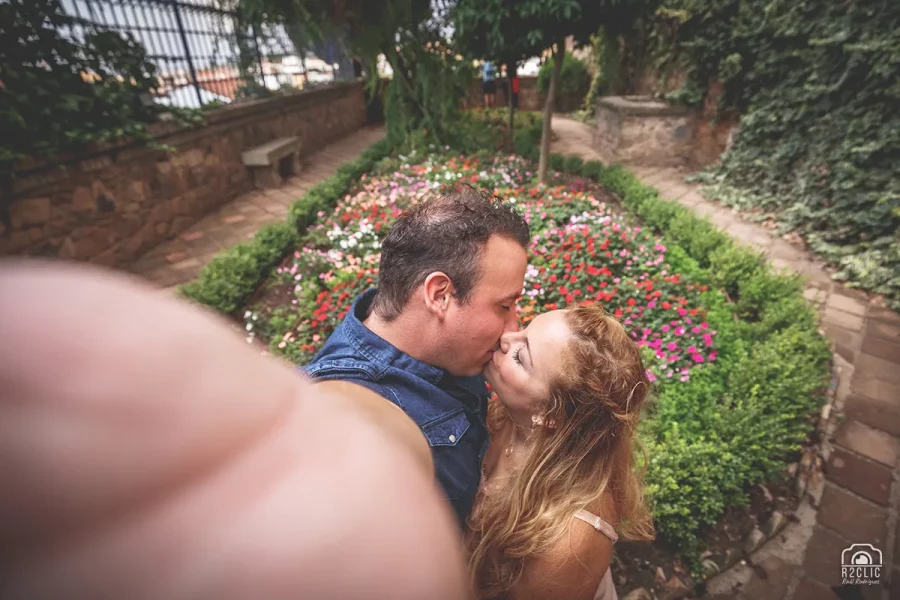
{"x": 446, "y": 233}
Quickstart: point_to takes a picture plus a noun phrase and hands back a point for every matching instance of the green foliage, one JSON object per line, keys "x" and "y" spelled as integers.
{"x": 730, "y": 427}
{"x": 817, "y": 148}
{"x": 232, "y": 276}
{"x": 557, "y": 161}
{"x": 61, "y": 92}
{"x": 573, "y": 164}
{"x": 574, "y": 80}
{"x": 229, "y": 280}
{"x": 592, "y": 169}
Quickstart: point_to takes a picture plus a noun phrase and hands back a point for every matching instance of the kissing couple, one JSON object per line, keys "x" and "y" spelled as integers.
{"x": 541, "y": 478}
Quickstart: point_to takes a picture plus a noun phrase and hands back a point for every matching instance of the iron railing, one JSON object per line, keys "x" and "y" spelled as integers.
{"x": 203, "y": 51}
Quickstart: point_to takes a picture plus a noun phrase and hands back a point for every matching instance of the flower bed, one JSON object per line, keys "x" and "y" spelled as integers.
{"x": 594, "y": 255}
{"x": 734, "y": 350}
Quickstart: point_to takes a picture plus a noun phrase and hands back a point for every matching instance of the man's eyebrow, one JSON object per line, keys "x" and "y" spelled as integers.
{"x": 513, "y": 296}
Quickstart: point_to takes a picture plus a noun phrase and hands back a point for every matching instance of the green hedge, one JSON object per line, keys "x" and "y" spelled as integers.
{"x": 228, "y": 281}
{"x": 735, "y": 425}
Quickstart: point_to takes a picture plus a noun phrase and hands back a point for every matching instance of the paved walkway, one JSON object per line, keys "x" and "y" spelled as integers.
{"x": 854, "y": 498}
{"x": 181, "y": 259}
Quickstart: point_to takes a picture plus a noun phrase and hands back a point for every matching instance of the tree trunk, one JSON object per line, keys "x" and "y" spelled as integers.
{"x": 558, "y": 56}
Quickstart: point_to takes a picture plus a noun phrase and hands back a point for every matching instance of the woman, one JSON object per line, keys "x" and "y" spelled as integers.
{"x": 558, "y": 477}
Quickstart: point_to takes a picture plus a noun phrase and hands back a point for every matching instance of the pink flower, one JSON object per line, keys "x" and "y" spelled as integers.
{"x": 651, "y": 304}
{"x": 671, "y": 346}
{"x": 695, "y": 330}
{"x": 685, "y": 377}
{"x": 704, "y": 325}
{"x": 651, "y": 376}
{"x": 666, "y": 328}
{"x": 697, "y": 358}
{"x": 692, "y": 349}
{"x": 681, "y": 312}
{"x": 669, "y": 373}
{"x": 679, "y": 331}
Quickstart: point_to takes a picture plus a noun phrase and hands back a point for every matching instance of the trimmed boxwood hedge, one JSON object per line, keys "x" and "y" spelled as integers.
{"x": 735, "y": 425}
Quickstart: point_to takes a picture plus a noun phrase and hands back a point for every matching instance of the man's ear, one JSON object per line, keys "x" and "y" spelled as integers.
{"x": 438, "y": 292}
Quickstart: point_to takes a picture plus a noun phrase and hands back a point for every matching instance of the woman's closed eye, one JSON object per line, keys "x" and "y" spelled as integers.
{"x": 516, "y": 355}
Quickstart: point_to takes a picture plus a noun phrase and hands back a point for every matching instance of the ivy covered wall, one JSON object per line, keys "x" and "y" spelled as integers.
{"x": 818, "y": 86}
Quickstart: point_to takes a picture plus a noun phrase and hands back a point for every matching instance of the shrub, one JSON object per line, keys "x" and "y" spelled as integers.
{"x": 574, "y": 81}
{"x": 592, "y": 170}
{"x": 573, "y": 164}
{"x": 232, "y": 276}
{"x": 730, "y": 427}
{"x": 557, "y": 162}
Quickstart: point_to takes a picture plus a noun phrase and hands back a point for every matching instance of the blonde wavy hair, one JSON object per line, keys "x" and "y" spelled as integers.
{"x": 594, "y": 407}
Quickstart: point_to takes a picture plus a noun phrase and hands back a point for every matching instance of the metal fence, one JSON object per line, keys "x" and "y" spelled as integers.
{"x": 204, "y": 53}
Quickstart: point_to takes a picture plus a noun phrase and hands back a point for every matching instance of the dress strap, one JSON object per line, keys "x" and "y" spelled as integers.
{"x": 598, "y": 524}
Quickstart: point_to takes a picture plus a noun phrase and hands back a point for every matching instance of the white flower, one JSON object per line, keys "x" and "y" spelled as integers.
{"x": 249, "y": 327}
{"x": 247, "y": 314}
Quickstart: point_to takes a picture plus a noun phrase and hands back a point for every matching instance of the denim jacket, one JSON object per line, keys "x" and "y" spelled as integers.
{"x": 449, "y": 410}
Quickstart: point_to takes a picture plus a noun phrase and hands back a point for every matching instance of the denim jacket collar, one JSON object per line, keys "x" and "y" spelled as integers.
{"x": 381, "y": 352}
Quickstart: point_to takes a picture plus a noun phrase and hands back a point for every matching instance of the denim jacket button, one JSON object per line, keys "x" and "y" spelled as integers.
{"x": 452, "y": 438}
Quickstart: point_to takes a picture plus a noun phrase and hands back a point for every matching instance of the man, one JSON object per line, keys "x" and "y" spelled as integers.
{"x": 489, "y": 84}
{"x": 147, "y": 452}
{"x": 452, "y": 269}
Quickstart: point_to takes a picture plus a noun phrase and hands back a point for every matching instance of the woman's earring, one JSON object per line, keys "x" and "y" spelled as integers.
{"x": 538, "y": 421}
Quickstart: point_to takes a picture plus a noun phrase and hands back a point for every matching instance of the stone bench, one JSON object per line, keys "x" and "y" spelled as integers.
{"x": 271, "y": 162}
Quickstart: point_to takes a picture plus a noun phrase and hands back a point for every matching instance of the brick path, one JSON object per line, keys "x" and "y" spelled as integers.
{"x": 181, "y": 259}
{"x": 857, "y": 500}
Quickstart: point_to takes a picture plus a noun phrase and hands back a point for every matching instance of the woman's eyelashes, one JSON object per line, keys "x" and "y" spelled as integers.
{"x": 516, "y": 355}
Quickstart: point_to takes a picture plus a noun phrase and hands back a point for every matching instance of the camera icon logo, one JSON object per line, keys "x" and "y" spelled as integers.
{"x": 861, "y": 565}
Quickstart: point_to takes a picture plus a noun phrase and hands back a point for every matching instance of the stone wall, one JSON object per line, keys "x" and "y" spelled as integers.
{"x": 117, "y": 203}
{"x": 641, "y": 131}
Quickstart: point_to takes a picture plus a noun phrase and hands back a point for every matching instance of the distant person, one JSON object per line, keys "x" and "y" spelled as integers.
{"x": 512, "y": 74}
{"x": 489, "y": 84}
{"x": 357, "y": 67}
